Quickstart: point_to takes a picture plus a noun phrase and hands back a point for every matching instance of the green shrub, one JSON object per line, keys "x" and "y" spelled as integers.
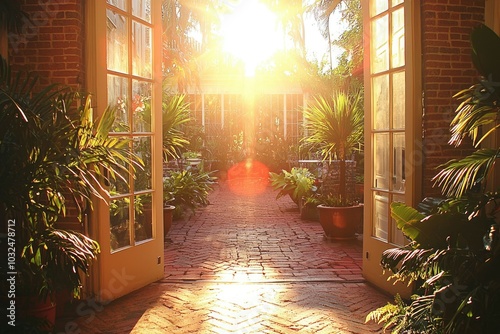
{"x": 297, "y": 183}
{"x": 187, "y": 190}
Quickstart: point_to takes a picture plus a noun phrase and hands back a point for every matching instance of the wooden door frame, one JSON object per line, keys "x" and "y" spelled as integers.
{"x": 372, "y": 248}
{"x": 108, "y": 283}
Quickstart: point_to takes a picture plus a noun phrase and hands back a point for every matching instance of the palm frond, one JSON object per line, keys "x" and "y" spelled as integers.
{"x": 403, "y": 213}
{"x": 335, "y": 125}
{"x": 459, "y": 176}
{"x": 475, "y": 111}
{"x": 175, "y": 114}
{"x": 409, "y": 265}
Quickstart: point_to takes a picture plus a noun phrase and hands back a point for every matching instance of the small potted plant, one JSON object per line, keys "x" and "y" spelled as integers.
{"x": 187, "y": 190}
{"x": 192, "y": 158}
{"x": 297, "y": 183}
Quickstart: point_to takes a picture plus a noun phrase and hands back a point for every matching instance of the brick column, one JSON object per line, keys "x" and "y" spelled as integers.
{"x": 51, "y": 42}
{"x": 447, "y": 69}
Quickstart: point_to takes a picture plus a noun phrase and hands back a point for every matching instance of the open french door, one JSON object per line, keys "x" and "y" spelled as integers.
{"x": 124, "y": 71}
{"x": 392, "y": 124}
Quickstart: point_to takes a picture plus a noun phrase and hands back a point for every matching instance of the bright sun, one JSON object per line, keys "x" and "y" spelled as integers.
{"x": 250, "y": 33}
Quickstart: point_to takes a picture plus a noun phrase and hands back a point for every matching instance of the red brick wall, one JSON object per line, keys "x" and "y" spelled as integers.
{"x": 52, "y": 43}
{"x": 447, "y": 69}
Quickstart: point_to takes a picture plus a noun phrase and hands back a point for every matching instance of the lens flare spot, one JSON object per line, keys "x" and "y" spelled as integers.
{"x": 249, "y": 178}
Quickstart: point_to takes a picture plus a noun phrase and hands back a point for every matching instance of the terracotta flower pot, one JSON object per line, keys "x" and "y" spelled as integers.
{"x": 168, "y": 211}
{"x": 340, "y": 223}
{"x": 34, "y": 307}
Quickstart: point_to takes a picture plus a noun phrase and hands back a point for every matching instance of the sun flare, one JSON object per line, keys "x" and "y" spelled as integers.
{"x": 250, "y": 33}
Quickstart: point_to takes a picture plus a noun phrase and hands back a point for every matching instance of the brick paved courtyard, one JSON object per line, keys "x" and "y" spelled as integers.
{"x": 246, "y": 264}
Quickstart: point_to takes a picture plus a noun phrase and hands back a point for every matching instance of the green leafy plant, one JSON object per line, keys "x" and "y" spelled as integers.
{"x": 273, "y": 150}
{"x": 392, "y": 315}
{"x": 478, "y": 109}
{"x": 53, "y": 153}
{"x": 176, "y": 114}
{"x": 191, "y": 155}
{"x": 332, "y": 200}
{"x": 187, "y": 190}
{"x": 334, "y": 127}
{"x": 453, "y": 257}
{"x": 454, "y": 263}
{"x": 297, "y": 183}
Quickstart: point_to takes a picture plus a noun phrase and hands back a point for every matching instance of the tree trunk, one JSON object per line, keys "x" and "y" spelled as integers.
{"x": 343, "y": 181}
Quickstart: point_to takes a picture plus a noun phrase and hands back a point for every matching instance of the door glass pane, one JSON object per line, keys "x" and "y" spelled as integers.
{"x": 399, "y": 165}
{"x": 141, "y": 106}
{"x": 398, "y": 100}
{"x": 396, "y": 2}
{"x": 117, "y": 42}
{"x": 380, "y": 161}
{"x": 398, "y": 39}
{"x": 118, "y": 99}
{"x": 122, "y": 4}
{"x": 142, "y": 148}
{"x": 378, "y": 6}
{"x": 120, "y": 185}
{"x": 143, "y": 217}
{"x": 397, "y": 236}
{"x": 380, "y": 215}
{"x": 141, "y": 51}
{"x": 142, "y": 9}
{"x": 380, "y": 45}
{"x": 119, "y": 212}
{"x": 129, "y": 56}
{"x": 380, "y": 87}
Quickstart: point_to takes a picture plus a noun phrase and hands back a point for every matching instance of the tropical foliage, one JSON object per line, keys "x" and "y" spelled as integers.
{"x": 349, "y": 42}
{"x": 328, "y": 199}
{"x": 53, "y": 155}
{"x": 477, "y": 111}
{"x": 187, "y": 190}
{"x": 453, "y": 257}
{"x": 176, "y": 114}
{"x": 334, "y": 128}
{"x": 297, "y": 183}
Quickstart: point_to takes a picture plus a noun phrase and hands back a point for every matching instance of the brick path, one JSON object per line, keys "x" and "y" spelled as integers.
{"x": 247, "y": 264}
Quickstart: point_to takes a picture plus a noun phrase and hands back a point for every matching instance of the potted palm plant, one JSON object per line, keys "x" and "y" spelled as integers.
{"x": 52, "y": 153}
{"x": 453, "y": 254}
{"x": 334, "y": 127}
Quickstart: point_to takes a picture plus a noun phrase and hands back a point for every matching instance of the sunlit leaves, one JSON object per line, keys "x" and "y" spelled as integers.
{"x": 176, "y": 113}
{"x": 335, "y": 125}
{"x": 459, "y": 176}
{"x": 296, "y": 183}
